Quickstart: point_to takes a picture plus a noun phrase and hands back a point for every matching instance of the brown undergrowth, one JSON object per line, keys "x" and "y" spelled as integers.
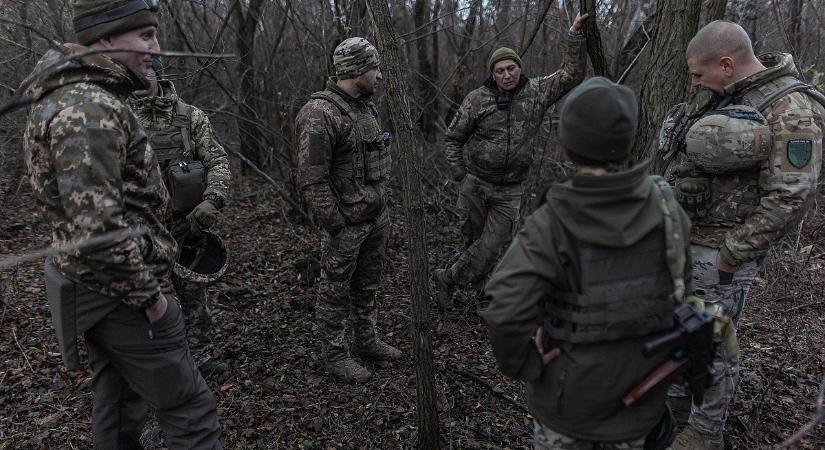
{"x": 276, "y": 396}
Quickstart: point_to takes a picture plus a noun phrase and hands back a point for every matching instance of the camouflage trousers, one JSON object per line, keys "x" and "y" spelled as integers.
{"x": 351, "y": 273}
{"x": 194, "y": 300}
{"x": 490, "y": 215}
{"x": 710, "y": 417}
{"x": 546, "y": 439}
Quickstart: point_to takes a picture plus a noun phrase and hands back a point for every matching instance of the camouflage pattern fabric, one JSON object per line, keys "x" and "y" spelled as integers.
{"x": 747, "y": 211}
{"x": 497, "y": 145}
{"x": 93, "y": 171}
{"x": 710, "y": 417}
{"x": 490, "y": 217}
{"x": 327, "y": 145}
{"x": 158, "y": 113}
{"x": 354, "y": 56}
{"x": 546, "y": 439}
{"x": 351, "y": 273}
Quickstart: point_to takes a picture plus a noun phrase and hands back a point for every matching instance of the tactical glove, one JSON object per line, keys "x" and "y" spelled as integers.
{"x": 206, "y": 213}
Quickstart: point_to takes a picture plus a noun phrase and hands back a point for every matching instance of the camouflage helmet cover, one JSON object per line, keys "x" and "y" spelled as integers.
{"x": 354, "y": 56}
{"x": 729, "y": 139}
{"x": 202, "y": 259}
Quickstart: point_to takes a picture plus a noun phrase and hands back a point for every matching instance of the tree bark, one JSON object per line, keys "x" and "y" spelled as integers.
{"x": 426, "y": 77}
{"x": 594, "y": 39}
{"x": 666, "y": 77}
{"x": 714, "y": 10}
{"x": 795, "y": 27}
{"x": 458, "y": 87}
{"x": 247, "y": 23}
{"x": 411, "y": 162}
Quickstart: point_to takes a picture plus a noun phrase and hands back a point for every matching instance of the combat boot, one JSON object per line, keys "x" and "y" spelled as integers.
{"x": 347, "y": 370}
{"x": 692, "y": 439}
{"x": 444, "y": 287}
{"x": 378, "y": 351}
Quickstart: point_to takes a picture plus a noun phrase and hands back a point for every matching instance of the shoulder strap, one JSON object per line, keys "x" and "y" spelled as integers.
{"x": 336, "y": 100}
{"x": 798, "y": 86}
{"x": 675, "y": 241}
{"x": 183, "y": 121}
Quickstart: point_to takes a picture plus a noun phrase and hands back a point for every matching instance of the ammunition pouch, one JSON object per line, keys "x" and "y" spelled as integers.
{"x": 693, "y": 194}
{"x": 186, "y": 182}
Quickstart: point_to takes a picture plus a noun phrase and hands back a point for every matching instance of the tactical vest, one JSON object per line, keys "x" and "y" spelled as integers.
{"x": 370, "y": 161}
{"x": 173, "y": 142}
{"x": 625, "y": 292}
{"x": 708, "y": 195}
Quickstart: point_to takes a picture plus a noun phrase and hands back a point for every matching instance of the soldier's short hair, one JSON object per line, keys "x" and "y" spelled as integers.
{"x": 718, "y": 39}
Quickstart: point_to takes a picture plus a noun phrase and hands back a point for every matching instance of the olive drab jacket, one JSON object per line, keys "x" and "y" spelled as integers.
{"x": 93, "y": 171}
{"x": 344, "y": 162}
{"x": 596, "y": 267}
{"x": 744, "y": 208}
{"x": 492, "y": 135}
{"x": 179, "y": 131}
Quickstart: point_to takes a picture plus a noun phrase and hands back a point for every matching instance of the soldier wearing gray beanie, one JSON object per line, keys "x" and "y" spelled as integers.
{"x": 96, "y": 19}
{"x": 598, "y": 122}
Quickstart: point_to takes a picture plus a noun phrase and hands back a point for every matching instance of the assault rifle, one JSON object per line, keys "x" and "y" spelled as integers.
{"x": 693, "y": 349}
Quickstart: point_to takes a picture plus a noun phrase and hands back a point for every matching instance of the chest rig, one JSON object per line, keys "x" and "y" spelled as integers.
{"x": 625, "y": 292}
{"x": 172, "y": 141}
{"x": 369, "y": 160}
{"x": 711, "y": 189}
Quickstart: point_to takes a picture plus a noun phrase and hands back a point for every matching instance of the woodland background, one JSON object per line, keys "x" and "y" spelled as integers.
{"x": 274, "y": 395}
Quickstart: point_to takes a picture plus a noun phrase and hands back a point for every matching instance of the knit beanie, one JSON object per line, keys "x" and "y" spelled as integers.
{"x": 598, "y": 121}
{"x": 96, "y": 19}
{"x": 354, "y": 56}
{"x": 501, "y": 54}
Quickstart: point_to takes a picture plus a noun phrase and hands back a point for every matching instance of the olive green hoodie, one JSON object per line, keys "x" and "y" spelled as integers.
{"x": 579, "y": 393}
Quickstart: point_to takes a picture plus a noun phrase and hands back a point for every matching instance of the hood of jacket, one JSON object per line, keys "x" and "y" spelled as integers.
{"x": 158, "y": 108}
{"x": 776, "y": 65}
{"x": 65, "y": 66}
{"x": 611, "y": 210}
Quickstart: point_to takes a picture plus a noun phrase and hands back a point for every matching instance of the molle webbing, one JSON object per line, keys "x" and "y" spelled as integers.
{"x": 173, "y": 142}
{"x": 626, "y": 292}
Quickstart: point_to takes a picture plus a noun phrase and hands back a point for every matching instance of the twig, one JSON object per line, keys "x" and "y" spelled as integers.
{"x": 818, "y": 418}
{"x": 278, "y": 188}
{"x": 805, "y": 306}
{"x": 69, "y": 246}
{"x": 484, "y": 383}
{"x": 20, "y": 347}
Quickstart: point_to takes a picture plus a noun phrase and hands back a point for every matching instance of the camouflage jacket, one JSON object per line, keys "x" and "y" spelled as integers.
{"x": 545, "y": 260}
{"x": 334, "y": 190}
{"x": 158, "y": 114}
{"x": 749, "y": 210}
{"x": 497, "y": 145}
{"x": 93, "y": 171}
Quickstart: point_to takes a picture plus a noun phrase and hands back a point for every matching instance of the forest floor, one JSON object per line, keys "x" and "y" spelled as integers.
{"x": 275, "y": 394}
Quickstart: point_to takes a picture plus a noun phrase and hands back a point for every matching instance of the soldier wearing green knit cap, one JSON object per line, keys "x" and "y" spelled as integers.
{"x": 95, "y": 175}
{"x": 489, "y": 147}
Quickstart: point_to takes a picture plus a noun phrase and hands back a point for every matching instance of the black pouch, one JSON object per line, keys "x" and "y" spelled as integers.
{"x": 63, "y": 307}
{"x": 186, "y": 182}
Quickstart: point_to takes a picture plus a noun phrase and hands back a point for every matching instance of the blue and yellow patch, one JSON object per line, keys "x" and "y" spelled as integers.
{"x": 799, "y": 152}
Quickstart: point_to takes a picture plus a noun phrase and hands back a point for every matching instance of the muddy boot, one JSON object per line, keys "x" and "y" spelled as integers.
{"x": 444, "y": 288}
{"x": 364, "y": 316}
{"x": 347, "y": 370}
{"x": 681, "y": 409}
{"x": 691, "y": 439}
{"x": 379, "y": 352}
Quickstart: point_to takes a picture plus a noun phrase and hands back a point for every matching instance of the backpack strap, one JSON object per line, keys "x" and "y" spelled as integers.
{"x": 183, "y": 121}
{"x": 675, "y": 240}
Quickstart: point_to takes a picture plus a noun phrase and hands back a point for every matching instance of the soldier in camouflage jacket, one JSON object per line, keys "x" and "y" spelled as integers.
{"x": 490, "y": 147}
{"x": 744, "y": 156}
{"x": 343, "y": 170}
{"x": 178, "y": 131}
{"x": 96, "y": 177}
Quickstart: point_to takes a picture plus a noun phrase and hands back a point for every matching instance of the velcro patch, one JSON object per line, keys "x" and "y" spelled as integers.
{"x": 799, "y": 152}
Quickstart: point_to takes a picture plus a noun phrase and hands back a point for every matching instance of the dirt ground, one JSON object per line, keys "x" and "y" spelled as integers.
{"x": 275, "y": 395}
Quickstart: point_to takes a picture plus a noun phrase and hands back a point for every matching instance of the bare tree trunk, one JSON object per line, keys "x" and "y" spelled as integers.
{"x": 594, "y": 39}
{"x": 795, "y": 27}
{"x": 458, "y": 91}
{"x": 714, "y": 10}
{"x": 666, "y": 78}
{"x": 411, "y": 162}
{"x": 247, "y": 23}
{"x": 426, "y": 77}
